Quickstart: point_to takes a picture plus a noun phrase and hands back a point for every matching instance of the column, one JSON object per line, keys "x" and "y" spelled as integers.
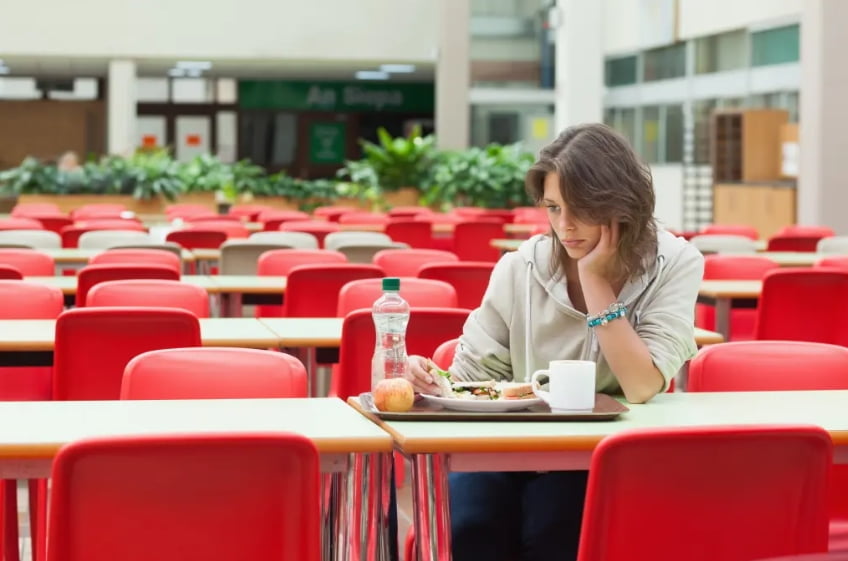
{"x": 121, "y": 107}
{"x": 579, "y": 62}
{"x": 453, "y": 74}
{"x": 823, "y": 121}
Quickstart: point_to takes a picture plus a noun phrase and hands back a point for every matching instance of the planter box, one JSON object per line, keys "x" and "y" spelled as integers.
{"x": 67, "y": 203}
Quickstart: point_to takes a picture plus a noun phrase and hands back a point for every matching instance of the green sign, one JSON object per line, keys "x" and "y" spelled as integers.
{"x": 356, "y": 97}
{"x": 327, "y": 143}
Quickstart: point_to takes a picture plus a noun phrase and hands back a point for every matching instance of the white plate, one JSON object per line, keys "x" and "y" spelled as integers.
{"x": 483, "y": 405}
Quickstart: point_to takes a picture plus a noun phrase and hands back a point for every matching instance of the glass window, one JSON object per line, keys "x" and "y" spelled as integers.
{"x": 664, "y": 63}
{"x": 719, "y": 53}
{"x": 775, "y": 46}
{"x": 620, "y": 71}
{"x": 673, "y": 133}
{"x": 651, "y": 134}
{"x": 622, "y": 119}
{"x": 701, "y": 112}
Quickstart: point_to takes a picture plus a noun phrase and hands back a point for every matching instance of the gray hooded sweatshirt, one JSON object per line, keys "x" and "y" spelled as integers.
{"x": 526, "y": 318}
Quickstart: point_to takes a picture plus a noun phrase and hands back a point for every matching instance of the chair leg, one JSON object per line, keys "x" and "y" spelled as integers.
{"x": 38, "y": 518}
{"x": 11, "y": 544}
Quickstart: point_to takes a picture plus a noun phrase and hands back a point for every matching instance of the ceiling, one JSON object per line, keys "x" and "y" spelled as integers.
{"x": 48, "y": 67}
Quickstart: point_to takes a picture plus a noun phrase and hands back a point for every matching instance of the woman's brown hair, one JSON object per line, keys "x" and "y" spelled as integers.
{"x": 601, "y": 179}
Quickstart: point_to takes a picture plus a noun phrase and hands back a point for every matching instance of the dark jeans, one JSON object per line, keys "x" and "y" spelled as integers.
{"x": 516, "y": 516}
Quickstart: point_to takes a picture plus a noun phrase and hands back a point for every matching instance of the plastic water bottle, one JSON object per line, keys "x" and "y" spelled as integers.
{"x": 391, "y": 315}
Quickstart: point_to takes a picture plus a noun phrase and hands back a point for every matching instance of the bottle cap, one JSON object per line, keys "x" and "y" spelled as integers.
{"x": 391, "y": 283}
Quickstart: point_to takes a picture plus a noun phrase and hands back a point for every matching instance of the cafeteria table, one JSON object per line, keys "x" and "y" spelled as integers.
{"x": 727, "y": 294}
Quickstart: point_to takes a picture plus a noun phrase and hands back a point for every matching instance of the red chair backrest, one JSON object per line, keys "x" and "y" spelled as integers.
{"x": 407, "y": 262}
{"x": 93, "y": 274}
{"x": 799, "y": 230}
{"x": 197, "y": 238}
{"x": 416, "y": 233}
{"x": 443, "y": 355}
{"x": 471, "y": 240}
{"x": 735, "y": 492}
{"x": 271, "y": 220}
{"x": 182, "y": 210}
{"x": 232, "y": 228}
{"x": 407, "y": 211}
{"x": 20, "y": 224}
{"x": 313, "y": 290}
{"x": 733, "y": 267}
{"x": 794, "y": 243}
{"x": 94, "y": 345}
{"x": 831, "y": 556}
{"x": 138, "y": 257}
{"x": 150, "y": 292}
{"x": 363, "y": 218}
{"x": 25, "y": 300}
{"x": 213, "y": 373}
{"x": 212, "y": 217}
{"x": 29, "y": 262}
{"x": 804, "y": 305}
{"x": 98, "y": 209}
{"x": 731, "y": 229}
{"x": 279, "y": 262}
{"x": 30, "y": 209}
{"x": 419, "y": 293}
{"x": 10, "y": 272}
{"x": 470, "y": 279}
{"x": 331, "y": 213}
{"x": 54, "y": 223}
{"x": 248, "y": 211}
{"x": 427, "y": 329}
{"x": 163, "y": 496}
{"x": 317, "y": 228}
{"x": 833, "y": 262}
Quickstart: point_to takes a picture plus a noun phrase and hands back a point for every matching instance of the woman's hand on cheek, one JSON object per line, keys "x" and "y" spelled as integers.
{"x": 600, "y": 261}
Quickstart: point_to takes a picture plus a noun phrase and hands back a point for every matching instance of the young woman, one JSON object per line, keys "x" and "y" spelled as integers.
{"x": 603, "y": 257}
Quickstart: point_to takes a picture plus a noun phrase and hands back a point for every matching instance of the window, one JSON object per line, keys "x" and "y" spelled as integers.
{"x": 719, "y": 53}
{"x": 673, "y": 133}
{"x": 622, "y": 119}
{"x": 651, "y": 134}
{"x": 620, "y": 71}
{"x": 702, "y": 111}
{"x": 664, "y": 63}
{"x": 775, "y": 46}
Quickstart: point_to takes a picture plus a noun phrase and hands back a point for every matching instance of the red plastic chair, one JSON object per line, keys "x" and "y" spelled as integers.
{"x": 20, "y": 224}
{"x": 248, "y": 212}
{"x": 807, "y": 243}
{"x": 469, "y": 278}
{"x": 331, "y": 213}
{"x": 211, "y": 216}
{"x": 733, "y": 267}
{"x": 98, "y": 210}
{"x": 407, "y": 262}
{"x": 833, "y": 262}
{"x": 443, "y": 355}
{"x": 313, "y": 290}
{"x": 408, "y": 211}
{"x": 780, "y": 366}
{"x": 232, "y": 228}
{"x": 420, "y": 293}
{"x": 472, "y": 240}
{"x": 197, "y": 238}
{"x": 363, "y": 218}
{"x": 54, "y": 223}
{"x": 317, "y": 228}
{"x": 832, "y": 556}
{"x": 94, "y": 345}
{"x": 734, "y": 493}
{"x": 279, "y": 262}
{"x": 804, "y": 305}
{"x": 182, "y": 210}
{"x": 271, "y": 220}
{"x": 213, "y": 373}
{"x": 27, "y": 210}
{"x": 138, "y": 257}
{"x": 174, "y": 497}
{"x": 91, "y": 275}
{"x": 798, "y": 230}
{"x": 416, "y": 233}
{"x": 731, "y": 229}
{"x": 427, "y": 329}
{"x": 29, "y": 262}
{"x": 9, "y": 272}
{"x": 150, "y": 292}
{"x": 71, "y": 234}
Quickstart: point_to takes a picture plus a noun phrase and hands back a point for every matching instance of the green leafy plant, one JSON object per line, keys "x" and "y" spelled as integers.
{"x": 156, "y": 175}
{"x": 31, "y": 176}
{"x": 393, "y": 163}
{"x": 207, "y": 173}
{"x": 490, "y": 177}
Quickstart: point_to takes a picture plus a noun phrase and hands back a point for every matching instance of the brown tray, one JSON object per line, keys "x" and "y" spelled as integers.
{"x": 606, "y": 409}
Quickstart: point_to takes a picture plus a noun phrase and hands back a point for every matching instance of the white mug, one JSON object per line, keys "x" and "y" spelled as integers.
{"x": 571, "y": 383}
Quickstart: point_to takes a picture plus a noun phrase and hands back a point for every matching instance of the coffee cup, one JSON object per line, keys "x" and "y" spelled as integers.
{"x": 571, "y": 385}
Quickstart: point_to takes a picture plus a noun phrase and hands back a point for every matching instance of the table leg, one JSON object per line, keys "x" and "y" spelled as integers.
{"x": 722, "y": 315}
{"x": 231, "y": 304}
{"x": 431, "y": 505}
{"x": 334, "y": 499}
{"x": 366, "y": 528}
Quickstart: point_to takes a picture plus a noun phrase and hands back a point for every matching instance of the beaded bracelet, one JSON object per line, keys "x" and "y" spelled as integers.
{"x": 616, "y": 310}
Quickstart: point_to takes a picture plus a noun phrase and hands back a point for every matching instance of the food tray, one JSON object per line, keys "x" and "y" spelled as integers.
{"x": 606, "y": 409}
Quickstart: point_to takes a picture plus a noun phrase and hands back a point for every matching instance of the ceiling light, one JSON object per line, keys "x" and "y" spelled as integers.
{"x": 194, "y": 64}
{"x": 398, "y": 68}
{"x": 176, "y": 72}
{"x": 194, "y": 72}
{"x": 372, "y": 75}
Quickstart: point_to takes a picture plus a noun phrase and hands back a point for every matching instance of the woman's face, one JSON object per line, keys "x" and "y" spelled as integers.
{"x": 578, "y": 238}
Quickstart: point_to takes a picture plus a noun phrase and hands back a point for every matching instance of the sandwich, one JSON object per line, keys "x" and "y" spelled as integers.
{"x": 487, "y": 390}
{"x": 516, "y": 390}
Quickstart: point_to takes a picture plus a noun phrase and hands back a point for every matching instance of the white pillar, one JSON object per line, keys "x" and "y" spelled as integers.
{"x": 579, "y": 62}
{"x": 121, "y": 113}
{"x": 453, "y": 74}
{"x": 823, "y": 119}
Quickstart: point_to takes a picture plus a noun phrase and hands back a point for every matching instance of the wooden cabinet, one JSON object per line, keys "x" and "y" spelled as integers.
{"x": 766, "y": 207}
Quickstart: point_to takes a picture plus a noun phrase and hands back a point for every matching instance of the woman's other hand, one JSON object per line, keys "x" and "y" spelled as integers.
{"x": 419, "y": 374}
{"x": 600, "y": 262}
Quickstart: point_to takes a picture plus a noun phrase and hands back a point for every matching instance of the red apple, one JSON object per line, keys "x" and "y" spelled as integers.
{"x": 394, "y": 394}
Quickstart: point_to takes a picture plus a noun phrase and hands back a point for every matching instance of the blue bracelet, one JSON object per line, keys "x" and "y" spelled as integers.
{"x": 615, "y": 311}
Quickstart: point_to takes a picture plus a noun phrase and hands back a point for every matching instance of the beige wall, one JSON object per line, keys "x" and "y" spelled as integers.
{"x": 708, "y": 17}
